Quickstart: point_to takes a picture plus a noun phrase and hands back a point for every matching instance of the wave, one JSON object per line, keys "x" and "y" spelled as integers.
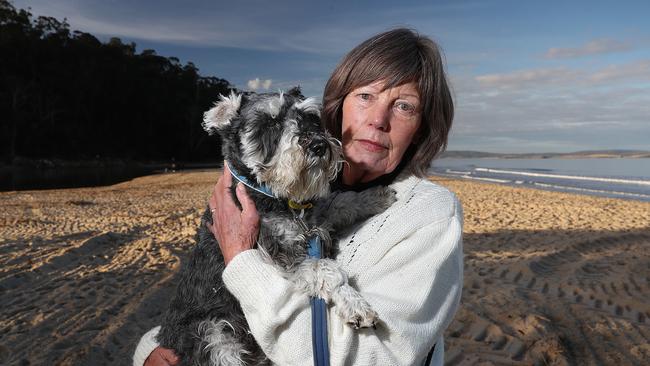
{"x": 547, "y": 186}
{"x": 493, "y": 180}
{"x": 561, "y": 176}
{"x": 457, "y": 172}
{"x": 588, "y": 190}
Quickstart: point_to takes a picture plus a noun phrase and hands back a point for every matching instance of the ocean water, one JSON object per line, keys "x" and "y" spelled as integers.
{"x": 618, "y": 178}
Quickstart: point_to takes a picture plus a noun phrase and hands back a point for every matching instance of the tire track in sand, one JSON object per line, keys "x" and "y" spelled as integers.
{"x": 594, "y": 290}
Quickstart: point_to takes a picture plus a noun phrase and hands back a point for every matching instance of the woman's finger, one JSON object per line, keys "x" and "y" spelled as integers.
{"x": 227, "y": 175}
{"x": 162, "y": 357}
{"x": 242, "y": 196}
{"x": 169, "y": 356}
{"x": 249, "y": 211}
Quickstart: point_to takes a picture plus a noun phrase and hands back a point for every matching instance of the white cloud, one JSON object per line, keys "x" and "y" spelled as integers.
{"x": 595, "y": 47}
{"x": 259, "y": 84}
{"x": 639, "y": 70}
{"x": 244, "y": 25}
{"x": 566, "y": 77}
{"x": 560, "y": 109}
{"x": 524, "y": 77}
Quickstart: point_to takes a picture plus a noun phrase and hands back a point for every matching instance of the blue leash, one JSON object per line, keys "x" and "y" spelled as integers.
{"x": 318, "y": 306}
{"x": 318, "y": 314}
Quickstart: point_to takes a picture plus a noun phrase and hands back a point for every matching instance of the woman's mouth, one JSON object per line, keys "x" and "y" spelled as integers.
{"x": 372, "y": 146}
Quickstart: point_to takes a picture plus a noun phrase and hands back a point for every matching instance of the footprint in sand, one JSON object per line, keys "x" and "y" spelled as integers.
{"x": 4, "y": 354}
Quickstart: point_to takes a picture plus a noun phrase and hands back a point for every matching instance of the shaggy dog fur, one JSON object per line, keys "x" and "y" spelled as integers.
{"x": 274, "y": 140}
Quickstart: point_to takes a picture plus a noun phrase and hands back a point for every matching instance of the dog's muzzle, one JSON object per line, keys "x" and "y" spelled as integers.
{"x": 316, "y": 145}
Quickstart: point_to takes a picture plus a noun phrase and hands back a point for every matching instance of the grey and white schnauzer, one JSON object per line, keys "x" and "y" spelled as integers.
{"x": 277, "y": 141}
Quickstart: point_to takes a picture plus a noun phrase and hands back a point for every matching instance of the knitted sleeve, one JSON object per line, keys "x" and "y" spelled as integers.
{"x": 411, "y": 274}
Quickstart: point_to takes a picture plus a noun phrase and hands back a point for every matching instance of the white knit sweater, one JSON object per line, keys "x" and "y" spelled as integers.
{"x": 407, "y": 263}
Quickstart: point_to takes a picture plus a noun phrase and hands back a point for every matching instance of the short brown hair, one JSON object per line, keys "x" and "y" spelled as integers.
{"x": 397, "y": 56}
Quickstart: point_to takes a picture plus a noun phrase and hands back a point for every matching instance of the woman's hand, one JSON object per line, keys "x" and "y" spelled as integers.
{"x": 236, "y": 230}
{"x": 162, "y": 357}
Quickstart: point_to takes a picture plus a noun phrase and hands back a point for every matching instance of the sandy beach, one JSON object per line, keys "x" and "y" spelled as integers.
{"x": 550, "y": 278}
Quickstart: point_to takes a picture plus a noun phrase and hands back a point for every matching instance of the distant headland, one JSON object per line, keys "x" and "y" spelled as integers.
{"x": 588, "y": 154}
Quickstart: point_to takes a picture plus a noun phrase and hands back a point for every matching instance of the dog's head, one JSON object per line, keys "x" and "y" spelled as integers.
{"x": 277, "y": 139}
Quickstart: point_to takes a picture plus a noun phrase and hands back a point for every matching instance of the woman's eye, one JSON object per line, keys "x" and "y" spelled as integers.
{"x": 405, "y": 107}
{"x": 364, "y": 96}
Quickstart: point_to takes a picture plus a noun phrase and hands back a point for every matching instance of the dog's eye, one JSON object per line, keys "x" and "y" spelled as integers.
{"x": 274, "y": 122}
{"x": 268, "y": 118}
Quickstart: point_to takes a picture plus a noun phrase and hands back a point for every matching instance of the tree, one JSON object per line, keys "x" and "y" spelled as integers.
{"x": 65, "y": 94}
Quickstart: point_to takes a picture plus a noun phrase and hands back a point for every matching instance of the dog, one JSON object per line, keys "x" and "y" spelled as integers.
{"x": 275, "y": 143}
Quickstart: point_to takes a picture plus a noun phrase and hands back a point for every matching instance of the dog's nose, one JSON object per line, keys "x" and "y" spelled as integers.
{"x": 318, "y": 146}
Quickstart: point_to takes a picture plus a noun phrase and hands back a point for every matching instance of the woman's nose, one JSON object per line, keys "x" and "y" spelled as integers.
{"x": 380, "y": 117}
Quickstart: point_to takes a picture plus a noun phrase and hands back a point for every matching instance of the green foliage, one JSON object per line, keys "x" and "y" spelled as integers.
{"x": 67, "y": 95}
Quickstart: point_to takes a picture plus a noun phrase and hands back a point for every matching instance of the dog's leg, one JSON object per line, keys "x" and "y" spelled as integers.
{"x": 318, "y": 277}
{"x": 353, "y": 308}
{"x": 326, "y": 279}
{"x": 218, "y": 346}
{"x": 349, "y": 207}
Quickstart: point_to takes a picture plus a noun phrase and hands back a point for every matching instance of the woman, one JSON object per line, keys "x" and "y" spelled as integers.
{"x": 389, "y": 103}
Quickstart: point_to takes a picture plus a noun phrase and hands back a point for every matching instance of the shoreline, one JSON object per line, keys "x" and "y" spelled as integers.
{"x": 636, "y": 197}
{"x": 206, "y": 167}
{"x": 550, "y": 278}
{"x": 40, "y": 174}
{"x": 615, "y": 178}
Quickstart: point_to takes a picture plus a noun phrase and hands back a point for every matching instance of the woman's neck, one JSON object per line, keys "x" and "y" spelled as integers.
{"x": 355, "y": 180}
{"x": 353, "y": 175}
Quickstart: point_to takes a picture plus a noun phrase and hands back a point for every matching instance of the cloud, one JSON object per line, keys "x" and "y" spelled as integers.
{"x": 259, "y": 84}
{"x": 524, "y": 77}
{"x": 639, "y": 70}
{"x": 559, "y": 109}
{"x": 566, "y": 77}
{"x": 245, "y": 25}
{"x": 242, "y": 26}
{"x": 595, "y": 47}
{"x": 310, "y": 87}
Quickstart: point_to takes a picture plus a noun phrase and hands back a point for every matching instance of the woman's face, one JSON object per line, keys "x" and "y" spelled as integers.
{"x": 378, "y": 126}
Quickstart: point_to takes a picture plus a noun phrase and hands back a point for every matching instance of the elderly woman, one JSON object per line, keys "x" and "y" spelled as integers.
{"x": 389, "y": 103}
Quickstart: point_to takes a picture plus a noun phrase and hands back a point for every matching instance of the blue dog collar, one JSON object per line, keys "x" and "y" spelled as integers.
{"x": 260, "y": 189}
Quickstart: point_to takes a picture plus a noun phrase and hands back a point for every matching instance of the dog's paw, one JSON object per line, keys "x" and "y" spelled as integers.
{"x": 359, "y": 315}
{"x": 353, "y": 308}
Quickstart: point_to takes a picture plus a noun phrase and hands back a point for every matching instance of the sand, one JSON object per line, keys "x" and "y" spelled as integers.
{"x": 550, "y": 278}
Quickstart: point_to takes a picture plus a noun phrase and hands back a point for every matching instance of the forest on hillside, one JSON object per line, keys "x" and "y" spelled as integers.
{"x": 66, "y": 95}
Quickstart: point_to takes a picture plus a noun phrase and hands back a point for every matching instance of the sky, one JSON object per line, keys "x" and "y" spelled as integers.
{"x": 527, "y": 76}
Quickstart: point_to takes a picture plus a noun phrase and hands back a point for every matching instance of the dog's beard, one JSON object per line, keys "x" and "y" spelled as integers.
{"x": 277, "y": 159}
{"x": 297, "y": 174}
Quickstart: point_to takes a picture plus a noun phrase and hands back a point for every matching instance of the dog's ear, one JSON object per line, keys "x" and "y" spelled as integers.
{"x": 222, "y": 113}
{"x": 295, "y": 91}
{"x": 309, "y": 105}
